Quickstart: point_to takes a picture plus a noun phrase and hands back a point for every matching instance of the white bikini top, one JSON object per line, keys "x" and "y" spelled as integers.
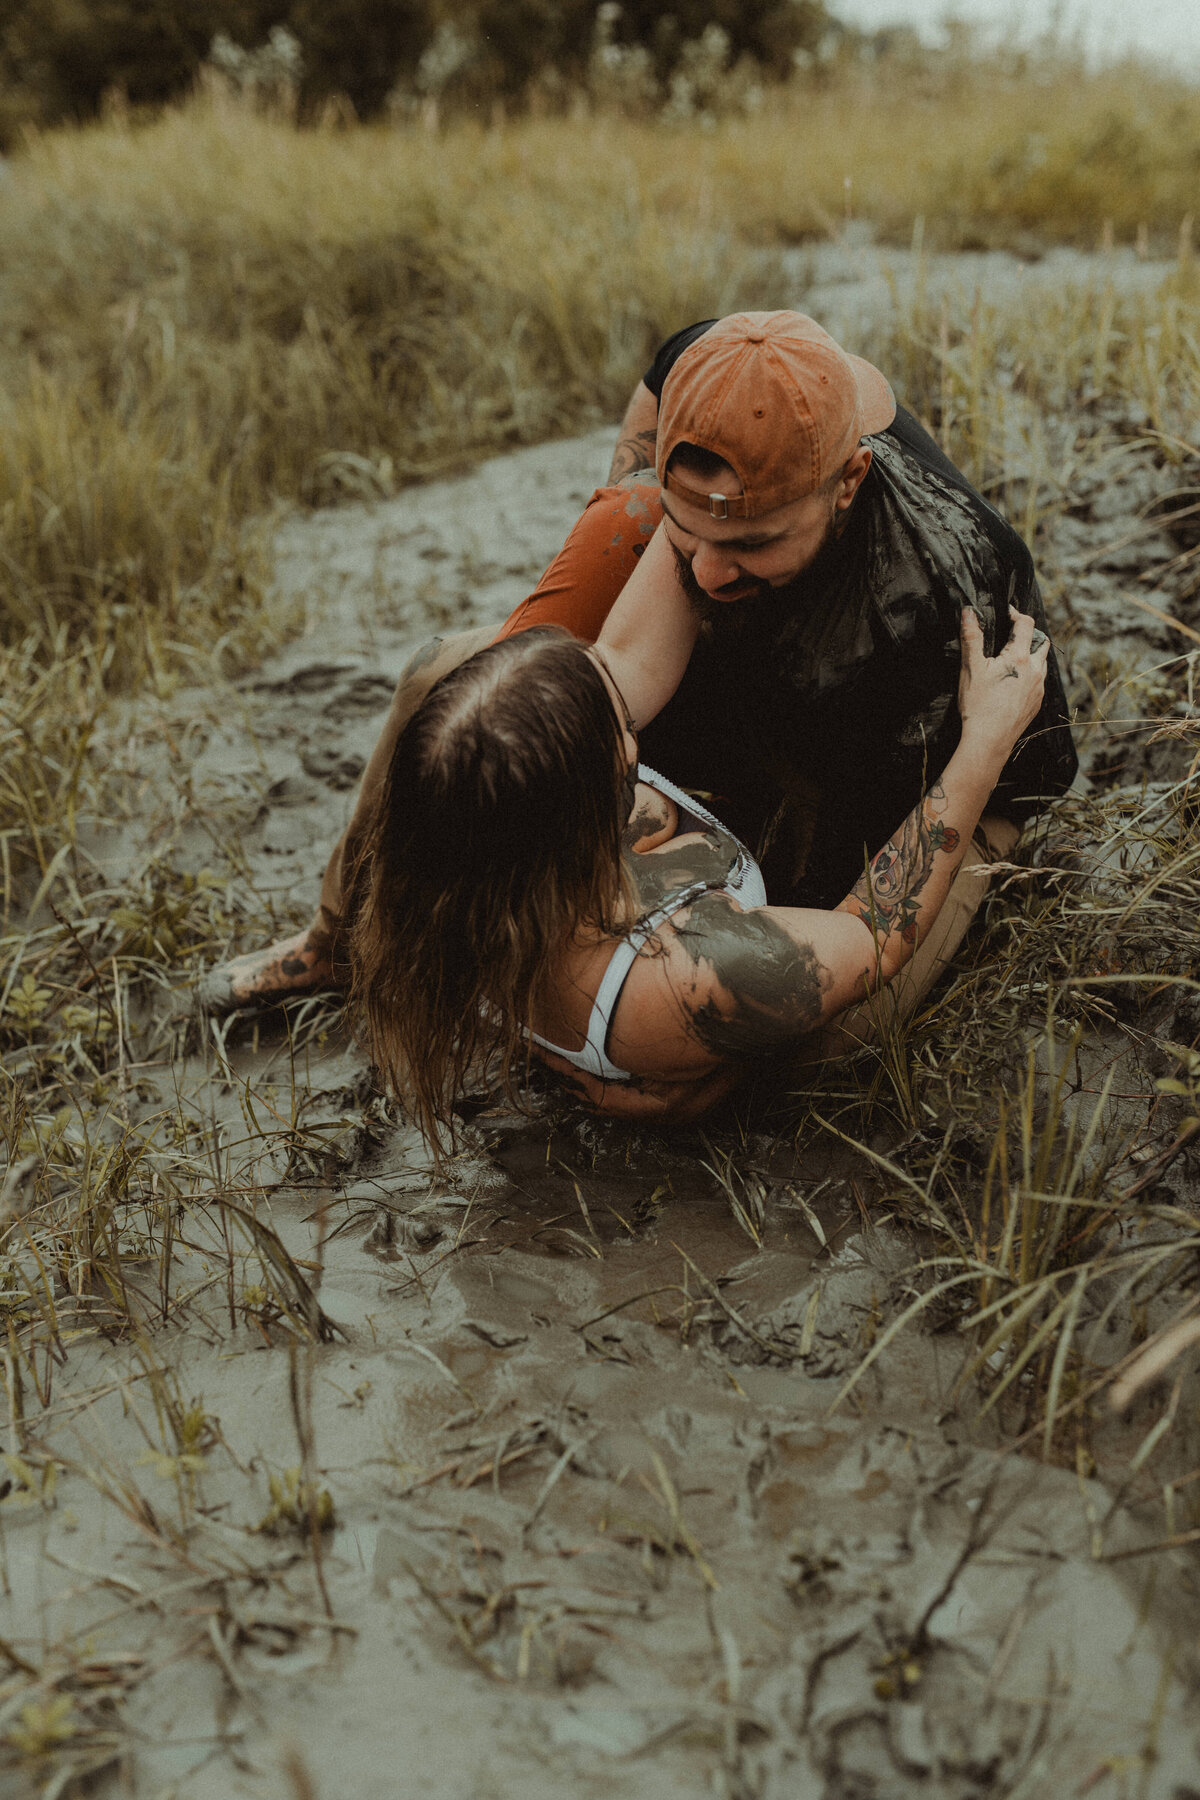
{"x": 744, "y": 883}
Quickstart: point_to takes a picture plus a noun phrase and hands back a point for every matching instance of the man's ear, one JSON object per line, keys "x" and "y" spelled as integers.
{"x": 852, "y": 477}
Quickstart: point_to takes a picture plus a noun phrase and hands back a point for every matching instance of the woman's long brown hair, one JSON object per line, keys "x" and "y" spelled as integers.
{"x": 496, "y": 840}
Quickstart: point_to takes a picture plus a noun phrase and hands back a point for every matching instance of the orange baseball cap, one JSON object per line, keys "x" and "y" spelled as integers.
{"x": 774, "y": 396}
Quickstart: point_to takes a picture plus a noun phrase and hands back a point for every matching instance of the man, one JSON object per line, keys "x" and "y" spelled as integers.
{"x": 825, "y": 547}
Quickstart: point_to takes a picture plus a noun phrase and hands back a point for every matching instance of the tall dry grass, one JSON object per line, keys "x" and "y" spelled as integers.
{"x": 212, "y": 310}
{"x": 1019, "y": 391}
{"x": 1038, "y": 1147}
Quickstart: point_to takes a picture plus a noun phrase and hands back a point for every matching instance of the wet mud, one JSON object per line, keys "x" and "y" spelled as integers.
{"x": 613, "y": 1505}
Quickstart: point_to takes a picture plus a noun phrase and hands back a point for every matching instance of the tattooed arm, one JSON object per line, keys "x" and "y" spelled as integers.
{"x": 741, "y": 985}
{"x": 890, "y": 896}
{"x": 902, "y": 890}
{"x": 639, "y": 429}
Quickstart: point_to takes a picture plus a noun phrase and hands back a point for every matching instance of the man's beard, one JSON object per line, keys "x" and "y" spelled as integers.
{"x": 710, "y": 609}
{"x": 706, "y": 608}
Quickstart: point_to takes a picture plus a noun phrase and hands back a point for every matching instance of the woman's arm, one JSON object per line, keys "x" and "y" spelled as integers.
{"x": 744, "y": 984}
{"x": 650, "y": 633}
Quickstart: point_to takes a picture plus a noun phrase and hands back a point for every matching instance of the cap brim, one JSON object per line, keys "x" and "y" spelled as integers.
{"x": 875, "y": 396}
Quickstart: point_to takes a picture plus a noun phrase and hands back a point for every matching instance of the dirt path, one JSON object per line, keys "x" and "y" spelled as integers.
{"x": 595, "y": 1525}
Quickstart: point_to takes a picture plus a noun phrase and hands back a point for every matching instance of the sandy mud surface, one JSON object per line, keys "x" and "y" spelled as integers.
{"x": 533, "y": 1482}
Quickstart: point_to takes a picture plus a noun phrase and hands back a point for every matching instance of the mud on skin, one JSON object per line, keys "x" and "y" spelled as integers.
{"x": 773, "y": 985}
{"x": 649, "y": 812}
{"x": 707, "y": 857}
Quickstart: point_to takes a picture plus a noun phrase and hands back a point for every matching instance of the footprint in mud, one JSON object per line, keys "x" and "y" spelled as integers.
{"x": 290, "y": 790}
{"x": 312, "y": 678}
{"x": 393, "y": 1233}
{"x": 365, "y": 694}
{"x": 337, "y": 769}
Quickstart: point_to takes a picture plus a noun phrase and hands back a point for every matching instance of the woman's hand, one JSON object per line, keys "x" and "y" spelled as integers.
{"x": 998, "y": 696}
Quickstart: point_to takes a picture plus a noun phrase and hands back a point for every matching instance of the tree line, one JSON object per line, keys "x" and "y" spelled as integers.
{"x": 60, "y": 59}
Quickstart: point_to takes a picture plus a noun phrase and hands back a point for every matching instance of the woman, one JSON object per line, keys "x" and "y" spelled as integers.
{"x": 527, "y": 889}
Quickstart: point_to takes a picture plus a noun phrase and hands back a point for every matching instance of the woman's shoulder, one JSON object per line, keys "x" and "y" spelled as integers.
{"x": 717, "y": 983}
{"x": 671, "y": 849}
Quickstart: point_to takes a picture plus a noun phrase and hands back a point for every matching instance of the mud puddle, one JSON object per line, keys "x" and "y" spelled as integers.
{"x": 572, "y": 1485}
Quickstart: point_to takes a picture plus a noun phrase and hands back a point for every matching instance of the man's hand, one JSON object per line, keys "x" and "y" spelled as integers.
{"x": 998, "y": 696}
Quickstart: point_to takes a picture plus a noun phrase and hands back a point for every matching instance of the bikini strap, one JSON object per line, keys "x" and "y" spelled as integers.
{"x": 662, "y": 784}
{"x": 745, "y": 882}
{"x": 592, "y": 1057}
{"x": 605, "y": 1005}
{"x": 616, "y": 975}
{"x": 745, "y": 885}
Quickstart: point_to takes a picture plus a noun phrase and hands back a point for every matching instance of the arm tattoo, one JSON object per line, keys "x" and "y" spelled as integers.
{"x": 632, "y": 454}
{"x": 888, "y": 896}
{"x": 768, "y": 987}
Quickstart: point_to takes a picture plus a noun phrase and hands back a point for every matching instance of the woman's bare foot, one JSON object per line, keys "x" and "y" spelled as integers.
{"x": 296, "y": 966}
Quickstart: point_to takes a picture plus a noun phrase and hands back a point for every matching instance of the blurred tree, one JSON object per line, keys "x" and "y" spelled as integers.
{"x": 360, "y": 48}
{"x": 768, "y": 31}
{"x": 520, "y": 40}
{"x": 58, "y": 58}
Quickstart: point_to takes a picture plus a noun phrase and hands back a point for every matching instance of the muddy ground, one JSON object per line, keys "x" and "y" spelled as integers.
{"x": 596, "y": 1525}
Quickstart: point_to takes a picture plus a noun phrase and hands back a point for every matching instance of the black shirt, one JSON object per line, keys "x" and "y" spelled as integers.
{"x": 817, "y": 715}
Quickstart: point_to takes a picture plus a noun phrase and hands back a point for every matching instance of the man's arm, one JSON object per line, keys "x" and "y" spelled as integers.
{"x": 639, "y": 430}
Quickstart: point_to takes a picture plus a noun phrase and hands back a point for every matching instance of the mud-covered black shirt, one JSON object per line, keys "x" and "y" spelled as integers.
{"x": 817, "y": 715}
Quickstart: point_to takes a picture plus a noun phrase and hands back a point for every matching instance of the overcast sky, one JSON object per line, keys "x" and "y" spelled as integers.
{"x": 1162, "y": 28}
